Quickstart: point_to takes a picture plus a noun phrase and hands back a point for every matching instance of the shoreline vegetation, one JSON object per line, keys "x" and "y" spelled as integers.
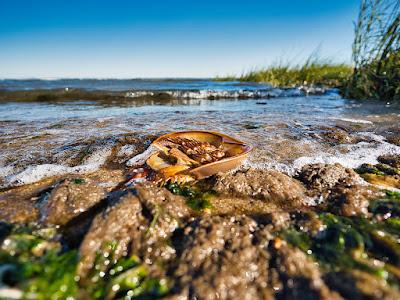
{"x": 375, "y": 69}
{"x": 315, "y": 71}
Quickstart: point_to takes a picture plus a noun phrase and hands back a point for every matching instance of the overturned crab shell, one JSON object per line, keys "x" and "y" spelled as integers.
{"x": 235, "y": 152}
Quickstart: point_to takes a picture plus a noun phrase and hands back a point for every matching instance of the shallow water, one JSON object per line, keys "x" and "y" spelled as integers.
{"x": 39, "y": 139}
{"x": 128, "y": 84}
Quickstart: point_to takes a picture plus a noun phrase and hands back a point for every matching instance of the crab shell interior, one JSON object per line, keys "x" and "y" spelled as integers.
{"x": 235, "y": 151}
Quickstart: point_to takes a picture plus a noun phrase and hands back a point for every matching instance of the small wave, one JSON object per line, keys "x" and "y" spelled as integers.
{"x": 32, "y": 174}
{"x": 228, "y": 94}
{"x": 359, "y": 121}
{"x": 356, "y": 155}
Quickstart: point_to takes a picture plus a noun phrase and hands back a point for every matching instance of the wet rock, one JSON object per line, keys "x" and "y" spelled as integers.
{"x": 122, "y": 223}
{"x": 322, "y": 177}
{"x": 344, "y": 284}
{"x": 19, "y": 205}
{"x": 71, "y": 198}
{"x": 140, "y": 223}
{"x": 383, "y": 180}
{"x": 358, "y": 285}
{"x": 165, "y": 213}
{"x": 380, "y": 174}
{"x": 307, "y": 221}
{"x": 394, "y": 139}
{"x": 335, "y": 135}
{"x": 352, "y": 201}
{"x": 265, "y": 185}
{"x": 22, "y": 211}
{"x": 374, "y": 287}
{"x": 220, "y": 259}
{"x": 391, "y": 160}
{"x": 234, "y": 205}
{"x": 299, "y": 274}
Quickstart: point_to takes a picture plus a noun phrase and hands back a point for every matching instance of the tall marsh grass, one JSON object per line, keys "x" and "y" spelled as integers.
{"x": 375, "y": 73}
{"x": 314, "y": 71}
{"x": 376, "y": 51}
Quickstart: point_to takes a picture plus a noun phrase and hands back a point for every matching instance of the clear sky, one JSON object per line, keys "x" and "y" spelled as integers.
{"x": 166, "y": 38}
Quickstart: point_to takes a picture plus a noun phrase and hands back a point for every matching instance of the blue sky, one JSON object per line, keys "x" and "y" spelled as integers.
{"x": 125, "y": 39}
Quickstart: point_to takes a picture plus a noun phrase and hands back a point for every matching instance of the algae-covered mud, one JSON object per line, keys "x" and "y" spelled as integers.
{"x": 313, "y": 213}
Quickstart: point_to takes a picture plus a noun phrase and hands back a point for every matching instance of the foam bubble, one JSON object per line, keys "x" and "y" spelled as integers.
{"x": 350, "y": 156}
{"x": 127, "y": 150}
{"x": 141, "y": 158}
{"x": 35, "y": 173}
{"x": 230, "y": 94}
{"x": 359, "y": 121}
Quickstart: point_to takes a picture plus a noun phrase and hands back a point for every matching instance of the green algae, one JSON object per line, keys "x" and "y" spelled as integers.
{"x": 378, "y": 169}
{"x": 79, "y": 180}
{"x": 196, "y": 198}
{"x": 122, "y": 278}
{"x": 352, "y": 243}
{"x": 35, "y": 263}
{"x": 388, "y": 206}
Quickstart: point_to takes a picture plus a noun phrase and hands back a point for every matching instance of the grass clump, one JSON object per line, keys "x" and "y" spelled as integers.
{"x": 376, "y": 51}
{"x": 314, "y": 71}
{"x": 375, "y": 73}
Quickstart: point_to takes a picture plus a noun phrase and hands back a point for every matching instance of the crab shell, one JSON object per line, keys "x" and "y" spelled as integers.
{"x": 236, "y": 151}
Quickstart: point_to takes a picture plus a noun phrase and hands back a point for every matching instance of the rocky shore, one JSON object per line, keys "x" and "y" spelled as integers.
{"x": 324, "y": 233}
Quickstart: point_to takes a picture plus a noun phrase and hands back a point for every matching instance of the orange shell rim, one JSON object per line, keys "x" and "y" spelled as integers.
{"x": 225, "y": 138}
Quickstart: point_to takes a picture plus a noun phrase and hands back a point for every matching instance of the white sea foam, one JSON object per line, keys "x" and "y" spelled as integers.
{"x": 127, "y": 150}
{"x": 230, "y": 94}
{"x": 7, "y": 170}
{"x": 37, "y": 172}
{"x": 350, "y": 156}
{"x": 360, "y": 121}
{"x": 141, "y": 158}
